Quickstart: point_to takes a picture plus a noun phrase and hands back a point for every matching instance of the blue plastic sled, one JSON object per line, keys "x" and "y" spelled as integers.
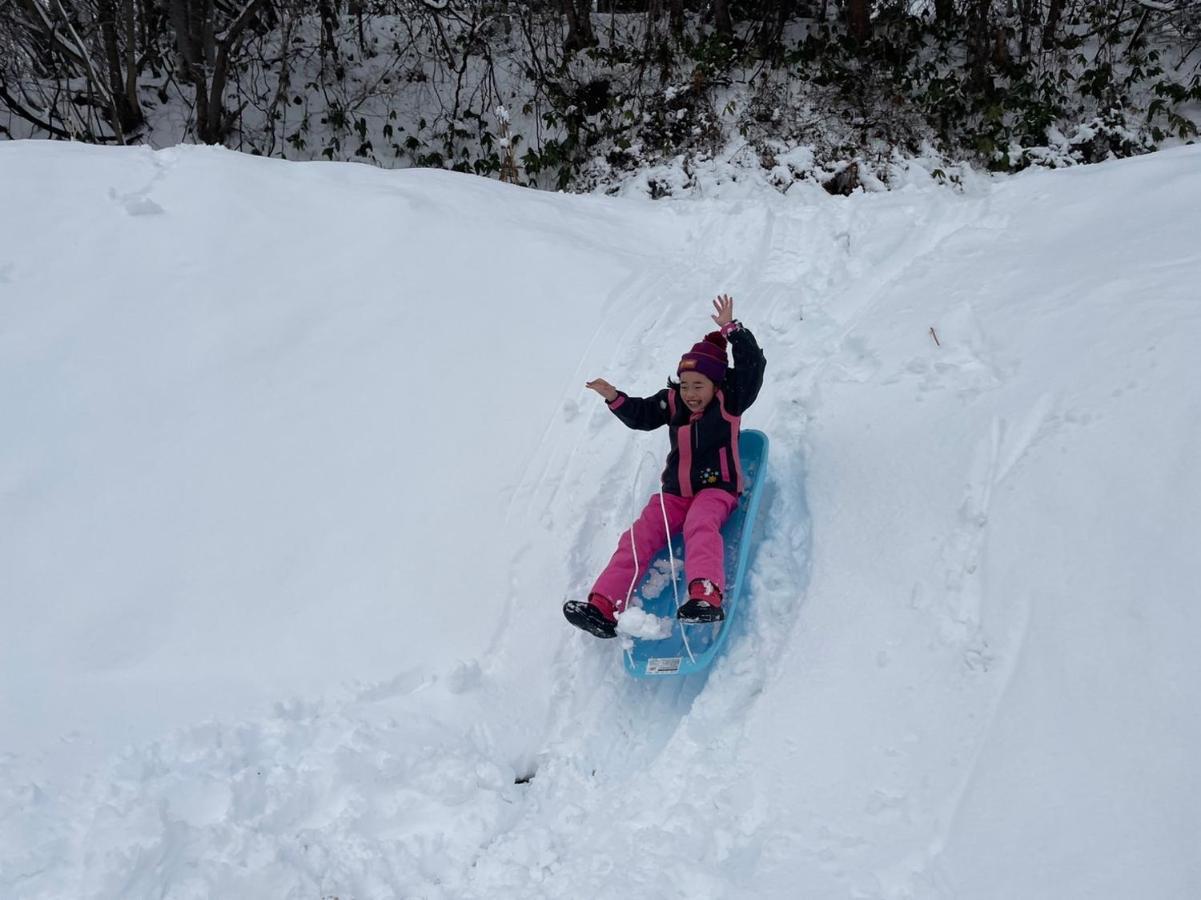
{"x": 690, "y": 648}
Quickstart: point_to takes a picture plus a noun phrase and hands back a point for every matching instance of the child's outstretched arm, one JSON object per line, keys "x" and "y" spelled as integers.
{"x": 746, "y": 377}
{"x": 603, "y": 388}
{"x": 641, "y": 413}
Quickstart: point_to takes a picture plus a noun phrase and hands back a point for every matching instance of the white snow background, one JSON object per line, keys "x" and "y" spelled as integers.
{"x": 297, "y": 467}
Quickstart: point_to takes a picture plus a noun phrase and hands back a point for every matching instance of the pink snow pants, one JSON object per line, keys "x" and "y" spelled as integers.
{"x": 700, "y": 516}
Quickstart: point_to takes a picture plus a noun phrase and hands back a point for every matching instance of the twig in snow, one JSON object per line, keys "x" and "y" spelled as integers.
{"x": 934, "y": 334}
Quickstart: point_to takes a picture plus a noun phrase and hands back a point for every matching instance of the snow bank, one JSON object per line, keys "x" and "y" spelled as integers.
{"x": 298, "y": 467}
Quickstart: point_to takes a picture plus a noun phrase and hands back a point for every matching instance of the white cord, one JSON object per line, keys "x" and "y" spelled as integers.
{"x": 675, "y": 588}
{"x": 633, "y": 544}
{"x": 670, "y": 553}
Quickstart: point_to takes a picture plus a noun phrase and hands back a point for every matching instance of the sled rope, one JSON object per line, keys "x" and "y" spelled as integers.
{"x": 675, "y": 587}
{"x": 633, "y": 546}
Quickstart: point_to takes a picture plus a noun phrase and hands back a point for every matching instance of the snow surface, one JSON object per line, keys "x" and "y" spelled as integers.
{"x": 296, "y": 468}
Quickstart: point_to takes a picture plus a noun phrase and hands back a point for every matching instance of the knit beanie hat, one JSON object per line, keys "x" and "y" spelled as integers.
{"x": 707, "y": 357}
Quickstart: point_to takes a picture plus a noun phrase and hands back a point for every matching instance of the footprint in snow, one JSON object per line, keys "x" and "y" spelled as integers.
{"x": 136, "y": 203}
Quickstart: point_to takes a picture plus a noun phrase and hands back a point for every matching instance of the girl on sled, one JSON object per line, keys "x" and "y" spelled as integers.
{"x": 700, "y": 482}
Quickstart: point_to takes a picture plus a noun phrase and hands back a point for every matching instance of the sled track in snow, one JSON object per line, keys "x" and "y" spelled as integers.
{"x": 617, "y": 750}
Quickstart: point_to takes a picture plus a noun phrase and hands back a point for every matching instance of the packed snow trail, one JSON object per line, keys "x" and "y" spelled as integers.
{"x": 337, "y": 449}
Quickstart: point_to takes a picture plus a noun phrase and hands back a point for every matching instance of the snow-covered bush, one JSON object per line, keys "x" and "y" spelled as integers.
{"x": 597, "y": 103}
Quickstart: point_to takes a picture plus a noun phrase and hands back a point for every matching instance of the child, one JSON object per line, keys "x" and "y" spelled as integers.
{"x": 702, "y": 479}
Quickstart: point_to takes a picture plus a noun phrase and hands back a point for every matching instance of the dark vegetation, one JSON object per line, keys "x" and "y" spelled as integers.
{"x": 573, "y": 94}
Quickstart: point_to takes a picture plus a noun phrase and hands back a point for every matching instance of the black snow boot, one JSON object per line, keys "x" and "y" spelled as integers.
{"x": 698, "y": 608}
{"x": 697, "y": 611}
{"x": 586, "y": 616}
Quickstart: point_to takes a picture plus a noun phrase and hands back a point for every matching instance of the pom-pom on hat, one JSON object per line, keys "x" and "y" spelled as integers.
{"x": 707, "y": 357}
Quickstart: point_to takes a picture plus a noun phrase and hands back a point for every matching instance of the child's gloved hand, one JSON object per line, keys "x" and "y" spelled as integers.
{"x": 724, "y": 305}
{"x": 603, "y": 388}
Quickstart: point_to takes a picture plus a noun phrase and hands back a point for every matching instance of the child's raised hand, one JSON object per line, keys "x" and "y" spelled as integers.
{"x": 724, "y": 305}
{"x": 603, "y": 388}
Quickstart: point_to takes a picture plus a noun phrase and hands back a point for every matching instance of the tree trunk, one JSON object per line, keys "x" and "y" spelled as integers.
{"x": 676, "y": 12}
{"x": 186, "y": 20}
{"x": 328, "y": 13}
{"x": 125, "y": 113}
{"x": 979, "y": 43}
{"x": 153, "y": 22}
{"x": 859, "y": 19}
{"x": 722, "y": 22}
{"x": 579, "y": 25}
{"x": 1027, "y": 9}
{"x": 773, "y": 29}
{"x": 130, "y": 22}
{"x": 1053, "y": 13}
{"x": 203, "y": 53}
{"x": 54, "y": 28}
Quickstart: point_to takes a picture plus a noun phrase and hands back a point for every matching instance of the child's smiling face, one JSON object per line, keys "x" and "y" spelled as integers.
{"x": 696, "y": 390}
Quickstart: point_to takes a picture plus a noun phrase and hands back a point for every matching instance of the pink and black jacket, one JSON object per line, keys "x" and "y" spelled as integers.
{"x": 704, "y": 445}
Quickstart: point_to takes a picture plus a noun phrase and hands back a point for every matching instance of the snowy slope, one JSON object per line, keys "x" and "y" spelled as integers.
{"x": 297, "y": 467}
